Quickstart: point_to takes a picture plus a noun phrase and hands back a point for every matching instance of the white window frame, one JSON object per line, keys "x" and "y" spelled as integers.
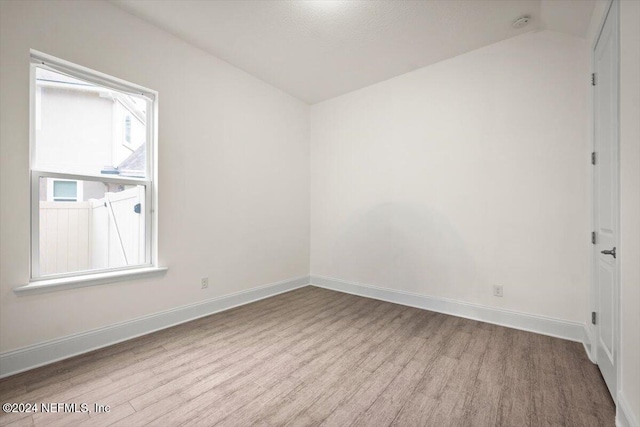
{"x": 38, "y": 282}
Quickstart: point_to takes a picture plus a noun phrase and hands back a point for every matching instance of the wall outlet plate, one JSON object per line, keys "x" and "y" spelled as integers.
{"x": 497, "y": 291}
{"x": 204, "y": 283}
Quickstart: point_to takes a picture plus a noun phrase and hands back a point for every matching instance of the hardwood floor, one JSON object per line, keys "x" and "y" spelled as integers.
{"x": 318, "y": 357}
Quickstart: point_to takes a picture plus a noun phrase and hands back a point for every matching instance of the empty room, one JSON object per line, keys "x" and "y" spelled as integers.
{"x": 320, "y": 213}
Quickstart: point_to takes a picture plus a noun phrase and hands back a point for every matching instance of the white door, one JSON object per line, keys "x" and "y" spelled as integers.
{"x": 606, "y": 202}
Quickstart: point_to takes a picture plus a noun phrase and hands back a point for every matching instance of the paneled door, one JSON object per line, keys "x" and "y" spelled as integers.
{"x": 606, "y": 251}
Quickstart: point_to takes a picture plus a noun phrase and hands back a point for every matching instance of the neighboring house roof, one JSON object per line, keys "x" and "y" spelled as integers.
{"x": 134, "y": 165}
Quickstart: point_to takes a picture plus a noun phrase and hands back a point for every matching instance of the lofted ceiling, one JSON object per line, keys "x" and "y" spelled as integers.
{"x": 316, "y": 50}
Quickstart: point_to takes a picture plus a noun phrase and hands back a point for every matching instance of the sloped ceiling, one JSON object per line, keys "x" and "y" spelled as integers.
{"x": 316, "y": 50}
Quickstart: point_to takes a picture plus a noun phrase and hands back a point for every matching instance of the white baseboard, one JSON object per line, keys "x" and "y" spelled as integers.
{"x": 624, "y": 416}
{"x": 587, "y": 343}
{"x": 33, "y": 356}
{"x": 572, "y": 331}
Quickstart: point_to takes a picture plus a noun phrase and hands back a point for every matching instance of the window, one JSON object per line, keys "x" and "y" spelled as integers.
{"x": 63, "y": 190}
{"x": 92, "y": 186}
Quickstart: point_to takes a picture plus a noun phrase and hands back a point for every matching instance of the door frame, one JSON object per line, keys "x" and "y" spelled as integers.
{"x": 611, "y": 10}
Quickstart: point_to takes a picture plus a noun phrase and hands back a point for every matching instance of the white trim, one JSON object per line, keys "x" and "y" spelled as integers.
{"x": 573, "y": 331}
{"x": 151, "y": 192}
{"x": 603, "y": 18}
{"x": 624, "y": 415}
{"x": 114, "y": 179}
{"x": 92, "y": 76}
{"x": 34, "y": 184}
{"x": 33, "y": 356}
{"x": 587, "y": 343}
{"x": 80, "y": 281}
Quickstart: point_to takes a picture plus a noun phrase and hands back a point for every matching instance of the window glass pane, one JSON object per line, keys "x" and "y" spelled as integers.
{"x": 65, "y": 189}
{"x": 83, "y": 128}
{"x": 104, "y": 228}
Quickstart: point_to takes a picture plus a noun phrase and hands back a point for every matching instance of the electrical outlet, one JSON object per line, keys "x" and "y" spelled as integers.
{"x": 204, "y": 283}
{"x": 497, "y": 291}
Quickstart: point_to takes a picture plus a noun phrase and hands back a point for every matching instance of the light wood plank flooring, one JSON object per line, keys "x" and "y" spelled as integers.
{"x": 318, "y": 357}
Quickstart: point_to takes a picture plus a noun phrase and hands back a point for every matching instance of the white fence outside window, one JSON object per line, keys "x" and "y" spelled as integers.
{"x": 96, "y": 234}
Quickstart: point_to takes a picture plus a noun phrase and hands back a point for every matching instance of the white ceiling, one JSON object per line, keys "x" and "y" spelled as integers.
{"x": 316, "y": 50}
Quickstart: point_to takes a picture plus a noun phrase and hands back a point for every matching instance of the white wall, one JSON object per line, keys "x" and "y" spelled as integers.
{"x": 461, "y": 175}
{"x": 233, "y": 155}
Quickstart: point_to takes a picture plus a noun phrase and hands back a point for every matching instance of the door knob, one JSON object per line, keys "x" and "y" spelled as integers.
{"x": 612, "y": 252}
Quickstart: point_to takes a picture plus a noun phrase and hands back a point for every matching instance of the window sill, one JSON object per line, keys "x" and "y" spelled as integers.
{"x": 59, "y": 284}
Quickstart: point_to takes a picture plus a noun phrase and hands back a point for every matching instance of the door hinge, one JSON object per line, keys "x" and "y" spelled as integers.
{"x": 593, "y": 158}
{"x": 593, "y": 79}
{"x": 593, "y": 317}
{"x": 593, "y": 237}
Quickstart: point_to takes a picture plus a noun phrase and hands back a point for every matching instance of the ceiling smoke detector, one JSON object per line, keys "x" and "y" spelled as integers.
{"x": 521, "y": 22}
